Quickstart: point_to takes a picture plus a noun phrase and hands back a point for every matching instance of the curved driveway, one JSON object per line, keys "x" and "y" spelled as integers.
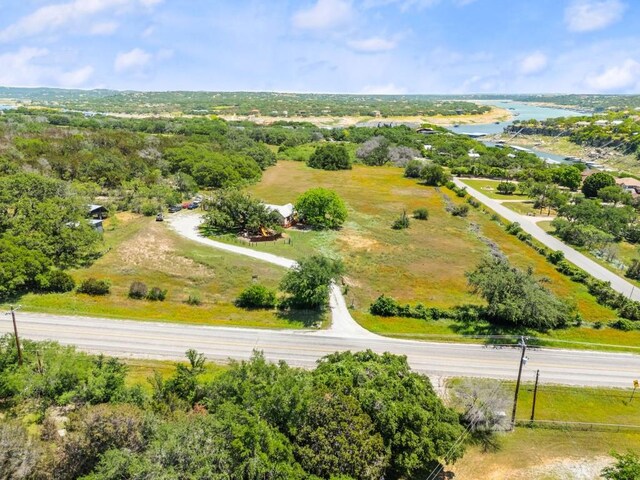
{"x": 598, "y": 271}
{"x": 126, "y": 338}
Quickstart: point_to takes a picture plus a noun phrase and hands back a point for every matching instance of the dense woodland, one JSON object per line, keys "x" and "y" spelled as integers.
{"x": 356, "y": 416}
{"x": 243, "y": 103}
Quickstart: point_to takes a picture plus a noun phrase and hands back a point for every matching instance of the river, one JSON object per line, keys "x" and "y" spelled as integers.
{"x": 520, "y": 111}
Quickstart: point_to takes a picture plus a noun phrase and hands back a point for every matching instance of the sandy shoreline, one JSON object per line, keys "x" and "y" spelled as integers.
{"x": 495, "y": 115}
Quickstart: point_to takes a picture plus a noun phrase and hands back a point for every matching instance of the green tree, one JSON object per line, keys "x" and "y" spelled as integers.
{"x": 515, "y": 297}
{"x": 233, "y": 211}
{"x": 332, "y": 156}
{"x": 307, "y": 284}
{"x": 321, "y": 208}
{"x": 374, "y": 152}
{"x": 567, "y": 176}
{"x": 336, "y": 436}
{"x": 433, "y": 175}
{"x": 593, "y": 183}
{"x": 627, "y": 467}
{"x": 614, "y": 194}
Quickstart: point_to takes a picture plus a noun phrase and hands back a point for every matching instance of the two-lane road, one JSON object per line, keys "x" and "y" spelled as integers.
{"x": 126, "y": 338}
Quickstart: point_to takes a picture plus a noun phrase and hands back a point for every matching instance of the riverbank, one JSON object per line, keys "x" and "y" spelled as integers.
{"x": 562, "y": 146}
{"x": 496, "y": 114}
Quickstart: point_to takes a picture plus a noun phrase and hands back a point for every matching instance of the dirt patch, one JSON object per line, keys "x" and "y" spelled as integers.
{"x": 358, "y": 242}
{"x": 153, "y": 248}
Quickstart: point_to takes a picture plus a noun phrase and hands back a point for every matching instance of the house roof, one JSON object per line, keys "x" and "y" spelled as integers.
{"x": 628, "y": 182}
{"x": 284, "y": 210}
{"x": 93, "y": 208}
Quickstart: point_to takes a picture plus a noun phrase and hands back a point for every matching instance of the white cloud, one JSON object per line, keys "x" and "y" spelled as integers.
{"x": 134, "y": 60}
{"x": 324, "y": 15}
{"x": 103, "y": 28}
{"x": 388, "y": 89}
{"x": 616, "y": 78}
{"x": 533, "y": 63}
{"x": 76, "y": 78}
{"x": 54, "y": 17}
{"x": 589, "y": 15}
{"x": 21, "y": 69}
{"x": 373, "y": 45}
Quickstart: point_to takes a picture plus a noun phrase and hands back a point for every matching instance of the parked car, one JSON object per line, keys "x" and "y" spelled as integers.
{"x": 175, "y": 208}
{"x": 159, "y": 217}
{"x": 193, "y": 206}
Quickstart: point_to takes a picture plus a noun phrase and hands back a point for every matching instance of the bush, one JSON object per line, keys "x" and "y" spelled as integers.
{"x": 624, "y": 325}
{"x": 421, "y": 214}
{"x": 513, "y": 228}
{"x": 401, "y": 223}
{"x": 413, "y": 168}
{"x": 433, "y": 175}
{"x": 58, "y": 281}
{"x": 321, "y": 208}
{"x": 156, "y": 294}
{"x": 138, "y": 290}
{"x": 384, "y": 307}
{"x": 257, "y": 296}
{"x": 473, "y": 202}
{"x": 92, "y": 286}
{"x": 460, "y": 210}
{"x": 555, "y": 257}
{"x": 149, "y": 208}
{"x": 506, "y": 188}
{"x": 193, "y": 300}
{"x": 633, "y": 271}
{"x": 598, "y": 325}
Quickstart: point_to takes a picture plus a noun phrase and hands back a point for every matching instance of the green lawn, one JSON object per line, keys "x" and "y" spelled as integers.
{"x": 488, "y": 188}
{"x": 141, "y": 249}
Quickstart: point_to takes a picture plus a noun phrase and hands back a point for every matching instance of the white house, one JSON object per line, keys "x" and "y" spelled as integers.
{"x": 285, "y": 212}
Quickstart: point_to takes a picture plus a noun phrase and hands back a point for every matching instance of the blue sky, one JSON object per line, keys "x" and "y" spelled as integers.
{"x": 341, "y": 46}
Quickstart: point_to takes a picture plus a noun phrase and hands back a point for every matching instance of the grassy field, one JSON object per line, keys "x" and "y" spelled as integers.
{"x": 141, "y": 249}
{"x": 488, "y": 188}
{"x": 140, "y": 371}
{"x": 559, "y": 453}
{"x": 425, "y": 263}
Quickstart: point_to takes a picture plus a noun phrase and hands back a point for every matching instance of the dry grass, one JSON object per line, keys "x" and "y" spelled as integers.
{"x": 148, "y": 251}
{"x": 425, "y": 263}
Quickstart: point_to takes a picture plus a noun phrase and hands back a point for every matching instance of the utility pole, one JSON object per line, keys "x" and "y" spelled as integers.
{"x": 12, "y": 312}
{"x": 535, "y": 396}
{"x": 523, "y": 360}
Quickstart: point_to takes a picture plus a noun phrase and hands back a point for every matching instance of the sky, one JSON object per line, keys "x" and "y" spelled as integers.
{"x": 324, "y": 46}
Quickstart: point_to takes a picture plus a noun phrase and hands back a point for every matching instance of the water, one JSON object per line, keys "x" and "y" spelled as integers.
{"x": 520, "y": 111}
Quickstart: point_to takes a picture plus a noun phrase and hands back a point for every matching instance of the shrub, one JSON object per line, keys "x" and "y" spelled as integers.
{"x": 513, "y": 228}
{"x": 321, "y": 208}
{"x": 421, "y": 214}
{"x": 156, "y": 294}
{"x": 506, "y": 188}
{"x": 401, "y": 223}
{"x": 138, "y": 290}
{"x": 598, "y": 325}
{"x": 384, "y": 307}
{"x": 634, "y": 270}
{"x": 433, "y": 175}
{"x": 460, "y": 210}
{"x": 473, "y": 202}
{"x": 461, "y": 192}
{"x": 256, "y": 296}
{"x": 413, "y": 168}
{"x": 93, "y": 286}
{"x": 624, "y": 325}
{"x": 193, "y": 300}
{"x": 149, "y": 208}
{"x": 58, "y": 281}
{"x": 555, "y": 257}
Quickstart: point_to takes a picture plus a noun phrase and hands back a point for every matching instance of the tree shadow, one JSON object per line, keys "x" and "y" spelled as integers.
{"x": 308, "y": 318}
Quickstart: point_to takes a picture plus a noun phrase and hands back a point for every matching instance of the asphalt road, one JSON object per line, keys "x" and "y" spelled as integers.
{"x": 617, "y": 283}
{"x": 136, "y": 339}
{"x": 169, "y": 341}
